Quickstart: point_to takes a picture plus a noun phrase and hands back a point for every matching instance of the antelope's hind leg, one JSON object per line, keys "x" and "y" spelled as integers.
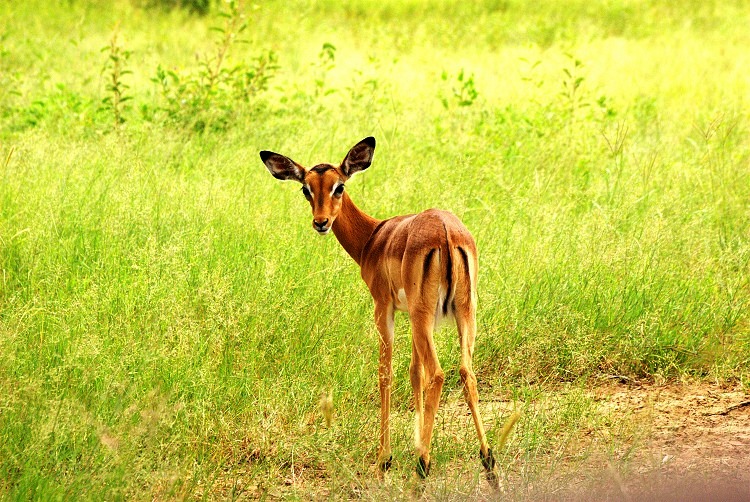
{"x": 466, "y": 324}
{"x": 427, "y": 383}
{"x": 384, "y": 319}
{"x": 422, "y": 280}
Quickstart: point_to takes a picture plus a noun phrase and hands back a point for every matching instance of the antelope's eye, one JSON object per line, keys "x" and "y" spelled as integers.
{"x": 339, "y": 191}
{"x": 306, "y": 192}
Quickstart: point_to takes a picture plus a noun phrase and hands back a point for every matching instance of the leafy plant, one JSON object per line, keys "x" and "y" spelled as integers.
{"x": 463, "y": 90}
{"x": 60, "y": 104}
{"x": 576, "y": 95}
{"x": 365, "y": 83}
{"x": 114, "y": 67}
{"x": 326, "y": 62}
{"x": 572, "y": 84}
{"x": 201, "y": 7}
{"x": 253, "y": 79}
{"x": 206, "y": 96}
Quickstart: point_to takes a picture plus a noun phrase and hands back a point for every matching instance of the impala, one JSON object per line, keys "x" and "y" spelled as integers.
{"x": 424, "y": 264}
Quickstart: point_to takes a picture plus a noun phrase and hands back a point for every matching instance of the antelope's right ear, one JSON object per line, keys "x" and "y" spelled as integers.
{"x": 359, "y": 157}
{"x": 282, "y": 168}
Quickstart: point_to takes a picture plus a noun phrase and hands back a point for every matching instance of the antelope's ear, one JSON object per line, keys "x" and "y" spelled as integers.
{"x": 282, "y": 168}
{"x": 359, "y": 157}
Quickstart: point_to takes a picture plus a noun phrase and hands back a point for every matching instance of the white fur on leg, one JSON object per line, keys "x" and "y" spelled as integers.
{"x": 417, "y": 432}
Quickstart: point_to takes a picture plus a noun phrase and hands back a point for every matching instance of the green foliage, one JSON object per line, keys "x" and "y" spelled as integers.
{"x": 571, "y": 85}
{"x": 62, "y": 106}
{"x": 206, "y": 98}
{"x": 463, "y": 90}
{"x": 201, "y": 7}
{"x": 114, "y": 67}
{"x": 326, "y": 62}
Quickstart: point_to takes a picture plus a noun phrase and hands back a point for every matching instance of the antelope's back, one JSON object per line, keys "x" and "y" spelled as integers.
{"x": 415, "y": 254}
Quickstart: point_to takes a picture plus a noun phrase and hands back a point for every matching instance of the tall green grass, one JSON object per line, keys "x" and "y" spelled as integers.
{"x": 168, "y": 320}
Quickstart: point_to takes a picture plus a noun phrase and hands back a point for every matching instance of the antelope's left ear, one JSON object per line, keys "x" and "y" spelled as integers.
{"x": 282, "y": 168}
{"x": 359, "y": 157}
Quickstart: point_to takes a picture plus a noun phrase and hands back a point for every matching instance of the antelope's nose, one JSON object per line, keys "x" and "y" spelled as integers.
{"x": 321, "y": 225}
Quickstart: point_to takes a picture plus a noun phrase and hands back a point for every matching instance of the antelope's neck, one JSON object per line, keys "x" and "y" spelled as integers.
{"x": 353, "y": 228}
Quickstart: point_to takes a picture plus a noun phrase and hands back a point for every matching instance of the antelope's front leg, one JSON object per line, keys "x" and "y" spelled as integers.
{"x": 384, "y": 322}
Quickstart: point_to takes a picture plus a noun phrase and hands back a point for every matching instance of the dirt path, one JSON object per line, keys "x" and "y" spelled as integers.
{"x": 696, "y": 444}
{"x": 664, "y": 443}
{"x": 675, "y": 442}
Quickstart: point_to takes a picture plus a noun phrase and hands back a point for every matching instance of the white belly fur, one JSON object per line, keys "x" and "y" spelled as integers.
{"x": 401, "y": 300}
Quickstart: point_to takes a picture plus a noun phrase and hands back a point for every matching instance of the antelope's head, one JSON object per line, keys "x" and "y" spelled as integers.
{"x": 322, "y": 185}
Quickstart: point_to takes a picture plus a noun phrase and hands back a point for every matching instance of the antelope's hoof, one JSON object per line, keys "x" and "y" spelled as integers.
{"x": 423, "y": 469}
{"x": 488, "y": 462}
{"x": 385, "y": 465}
{"x": 493, "y": 479}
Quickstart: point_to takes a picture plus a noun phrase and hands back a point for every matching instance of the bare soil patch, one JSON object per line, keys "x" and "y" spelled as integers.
{"x": 644, "y": 442}
{"x": 695, "y": 443}
{"x": 676, "y": 442}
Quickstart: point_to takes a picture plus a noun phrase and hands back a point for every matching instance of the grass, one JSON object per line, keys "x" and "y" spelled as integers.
{"x": 169, "y": 322}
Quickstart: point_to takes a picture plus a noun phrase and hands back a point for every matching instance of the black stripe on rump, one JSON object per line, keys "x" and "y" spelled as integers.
{"x": 427, "y": 264}
{"x": 465, "y": 258}
{"x": 449, "y": 279}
